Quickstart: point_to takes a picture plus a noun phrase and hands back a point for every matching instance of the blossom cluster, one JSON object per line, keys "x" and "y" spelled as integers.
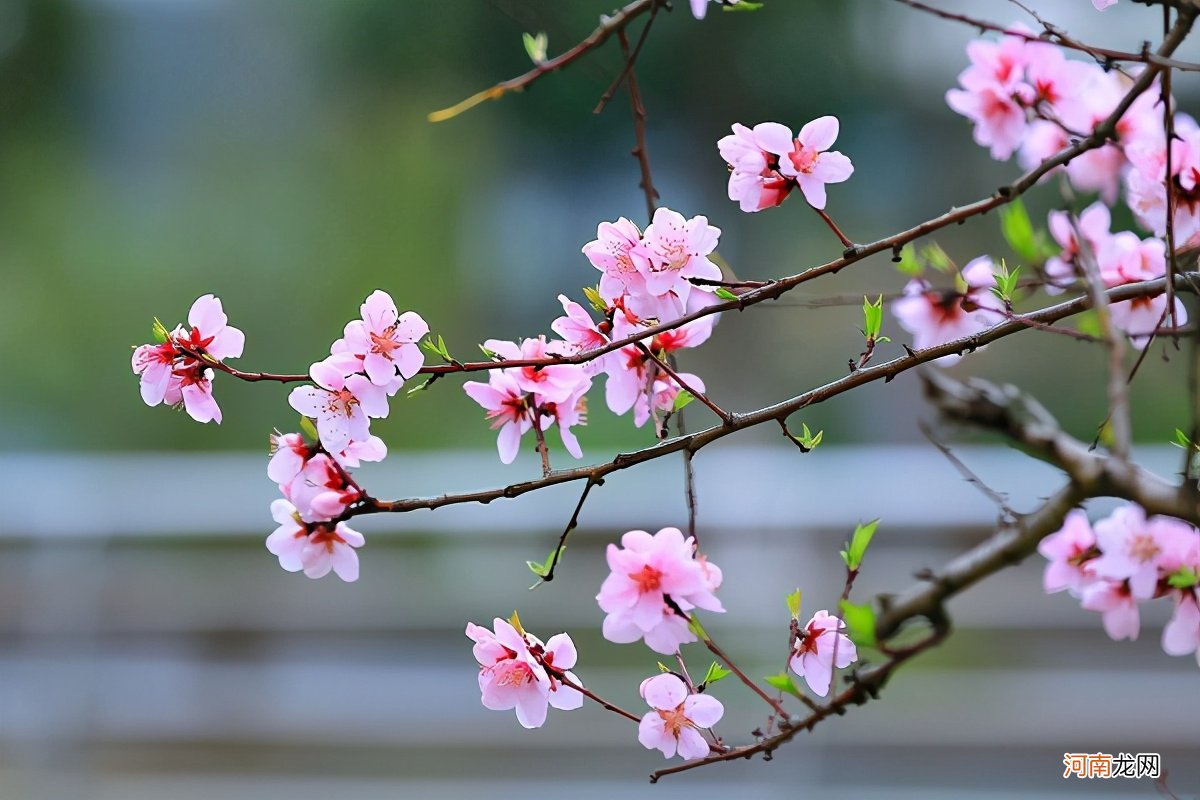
{"x": 369, "y": 364}
{"x": 767, "y": 161}
{"x": 1026, "y": 97}
{"x": 655, "y": 580}
{"x": 935, "y": 316}
{"x": 647, "y": 278}
{"x": 177, "y": 370}
{"x": 519, "y": 671}
{"x": 1123, "y": 560}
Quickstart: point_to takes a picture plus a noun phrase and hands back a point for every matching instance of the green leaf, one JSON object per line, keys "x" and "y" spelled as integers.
{"x": 872, "y": 317}
{"x": 515, "y": 621}
{"x": 542, "y": 568}
{"x": 783, "y": 682}
{"x": 744, "y": 5}
{"x": 1183, "y": 578}
{"x": 909, "y": 264}
{"x": 860, "y": 623}
{"x": 437, "y": 348}
{"x": 1088, "y": 323}
{"x": 1006, "y": 281}
{"x": 159, "y": 331}
{"x": 1018, "y": 231}
{"x": 309, "y": 429}
{"x": 695, "y": 627}
{"x": 793, "y": 604}
{"x": 663, "y": 667}
{"x": 857, "y": 548}
{"x": 1183, "y": 441}
{"x": 725, "y": 294}
{"x": 715, "y": 673}
{"x": 592, "y": 293}
{"x": 490, "y": 355}
{"x": 936, "y": 257}
{"x": 535, "y": 46}
{"x": 682, "y": 400}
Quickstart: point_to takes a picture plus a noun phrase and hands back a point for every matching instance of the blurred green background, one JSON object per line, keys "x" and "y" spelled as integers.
{"x": 276, "y": 153}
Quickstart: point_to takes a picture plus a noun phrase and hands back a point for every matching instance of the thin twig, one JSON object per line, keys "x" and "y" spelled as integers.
{"x": 630, "y": 60}
{"x": 833, "y": 227}
{"x": 639, "y": 127}
{"x": 725, "y": 416}
{"x": 571, "y": 525}
{"x": 608, "y": 26}
{"x": 589, "y": 694}
{"x": 968, "y": 475}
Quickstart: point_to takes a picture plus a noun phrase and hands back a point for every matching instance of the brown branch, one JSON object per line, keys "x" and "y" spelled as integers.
{"x": 716, "y": 650}
{"x": 630, "y": 60}
{"x": 885, "y": 371}
{"x": 616, "y": 709}
{"x": 725, "y": 416}
{"x": 1056, "y": 35}
{"x": 639, "y": 125}
{"x": 608, "y": 26}
{"x": 571, "y": 525}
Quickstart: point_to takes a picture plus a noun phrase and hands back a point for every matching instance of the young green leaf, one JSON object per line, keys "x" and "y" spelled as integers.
{"x": 682, "y": 400}
{"x": 793, "y": 604}
{"x": 872, "y": 318}
{"x": 725, "y": 294}
{"x": 857, "y": 548}
{"x": 909, "y": 264}
{"x": 159, "y": 331}
{"x": 535, "y": 46}
{"x": 1183, "y": 578}
{"x": 715, "y": 673}
{"x": 936, "y": 257}
{"x": 695, "y": 627}
{"x": 1018, "y": 230}
{"x": 542, "y": 568}
{"x": 745, "y": 5}
{"x": 783, "y": 682}
{"x": 309, "y": 429}
{"x": 592, "y": 293}
{"x": 860, "y": 623}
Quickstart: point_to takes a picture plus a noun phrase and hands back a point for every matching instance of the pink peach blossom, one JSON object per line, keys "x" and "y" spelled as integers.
{"x": 386, "y": 340}
{"x": 517, "y": 671}
{"x": 813, "y": 658}
{"x": 1069, "y": 551}
{"x": 807, "y": 158}
{"x": 672, "y": 726}
{"x": 315, "y": 549}
{"x": 507, "y": 408}
{"x": 340, "y": 403}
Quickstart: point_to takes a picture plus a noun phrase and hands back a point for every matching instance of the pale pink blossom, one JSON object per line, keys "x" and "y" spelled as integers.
{"x": 651, "y": 577}
{"x": 1069, "y": 551}
{"x": 321, "y": 490}
{"x": 672, "y": 726}
{"x": 613, "y": 253}
{"x": 1000, "y": 122}
{"x": 155, "y": 364}
{"x": 1094, "y": 223}
{"x": 814, "y": 654}
{"x": 289, "y": 452}
{"x": 580, "y": 332}
{"x": 1132, "y": 549}
{"x": 194, "y": 382}
{"x": 517, "y": 671}
{"x": 755, "y": 182}
{"x": 315, "y": 549}
{"x": 1100, "y": 5}
{"x": 386, "y": 340}
{"x": 807, "y": 158}
{"x": 1117, "y": 605}
{"x": 672, "y": 250}
{"x": 371, "y": 449}
{"x": 548, "y": 384}
{"x": 340, "y": 404}
{"x": 936, "y": 317}
{"x": 210, "y": 331}
{"x": 1181, "y": 636}
{"x": 507, "y": 408}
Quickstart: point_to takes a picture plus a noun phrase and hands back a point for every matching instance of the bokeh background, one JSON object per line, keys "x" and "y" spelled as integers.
{"x": 278, "y": 155}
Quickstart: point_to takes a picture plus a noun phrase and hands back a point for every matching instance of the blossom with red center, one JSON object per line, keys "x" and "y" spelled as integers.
{"x": 612, "y": 252}
{"x": 507, "y": 408}
{"x": 1069, "y": 550}
{"x": 817, "y": 646}
{"x": 317, "y": 549}
{"x": 755, "y": 181}
{"x": 172, "y": 372}
{"x": 386, "y": 340}
{"x": 673, "y": 725}
{"x": 340, "y": 403}
{"x": 518, "y": 671}
{"x": 672, "y": 250}
{"x": 935, "y": 317}
{"x": 654, "y": 580}
{"x": 1094, "y": 223}
{"x": 806, "y": 158}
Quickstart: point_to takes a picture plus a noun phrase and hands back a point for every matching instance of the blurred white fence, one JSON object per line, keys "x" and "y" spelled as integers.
{"x": 152, "y": 648}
